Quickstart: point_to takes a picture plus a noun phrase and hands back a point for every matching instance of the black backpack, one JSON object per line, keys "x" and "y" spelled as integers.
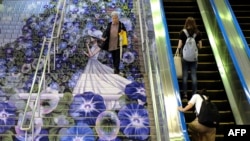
{"x": 209, "y": 113}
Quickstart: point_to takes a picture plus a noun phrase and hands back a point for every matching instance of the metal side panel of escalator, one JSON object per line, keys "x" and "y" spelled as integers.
{"x": 232, "y": 57}
{"x": 241, "y": 11}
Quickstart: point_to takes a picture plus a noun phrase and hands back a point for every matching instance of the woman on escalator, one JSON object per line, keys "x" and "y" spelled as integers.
{"x": 190, "y": 27}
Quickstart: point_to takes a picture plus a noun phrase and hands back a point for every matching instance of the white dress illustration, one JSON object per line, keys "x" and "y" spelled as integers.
{"x": 100, "y": 79}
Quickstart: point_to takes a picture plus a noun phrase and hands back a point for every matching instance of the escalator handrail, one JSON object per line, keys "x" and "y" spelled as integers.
{"x": 173, "y": 73}
{"x": 230, "y": 49}
{"x": 239, "y": 30}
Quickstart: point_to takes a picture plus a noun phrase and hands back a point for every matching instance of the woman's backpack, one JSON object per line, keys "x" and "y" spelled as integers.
{"x": 190, "y": 50}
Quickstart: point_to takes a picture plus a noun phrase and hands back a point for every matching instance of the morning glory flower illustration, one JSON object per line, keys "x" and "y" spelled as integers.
{"x": 28, "y": 52}
{"x": 63, "y": 44}
{"x": 28, "y": 83}
{"x": 117, "y": 139}
{"x": 2, "y": 61}
{"x": 94, "y": 1}
{"x": 2, "y": 74}
{"x": 13, "y": 80}
{"x": 7, "y": 116}
{"x": 128, "y": 57}
{"x": 86, "y": 107}
{"x": 42, "y": 136}
{"x": 9, "y": 52}
{"x": 107, "y": 125}
{"x": 136, "y": 91}
{"x": 134, "y": 122}
{"x": 59, "y": 64}
{"x": 3, "y": 68}
{"x": 128, "y": 24}
{"x": 3, "y": 95}
{"x": 80, "y": 132}
{"x": 75, "y": 1}
{"x": 72, "y": 83}
{"x": 76, "y": 75}
{"x": 35, "y": 63}
{"x": 13, "y": 69}
{"x": 54, "y": 85}
{"x": 26, "y": 68}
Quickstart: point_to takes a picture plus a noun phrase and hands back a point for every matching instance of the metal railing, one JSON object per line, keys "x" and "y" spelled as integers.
{"x": 57, "y": 35}
{"x": 157, "y": 55}
{"x": 228, "y": 49}
{"x": 45, "y": 61}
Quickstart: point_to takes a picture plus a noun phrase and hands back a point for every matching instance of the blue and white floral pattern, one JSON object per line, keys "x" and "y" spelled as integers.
{"x": 80, "y": 132}
{"x": 7, "y": 116}
{"x": 80, "y": 113}
{"x": 86, "y": 107}
{"x": 136, "y": 91}
{"x": 134, "y": 121}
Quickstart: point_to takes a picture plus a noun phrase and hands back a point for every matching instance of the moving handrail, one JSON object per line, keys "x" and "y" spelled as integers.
{"x": 225, "y": 43}
{"x": 45, "y": 60}
{"x": 235, "y": 43}
{"x": 237, "y": 26}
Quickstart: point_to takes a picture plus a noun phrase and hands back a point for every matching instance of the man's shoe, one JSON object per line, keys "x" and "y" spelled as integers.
{"x": 116, "y": 71}
{"x": 185, "y": 96}
{"x": 122, "y": 74}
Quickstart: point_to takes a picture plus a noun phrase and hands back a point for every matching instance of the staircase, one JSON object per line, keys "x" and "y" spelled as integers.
{"x": 64, "y": 114}
{"x": 241, "y": 11}
{"x": 207, "y": 73}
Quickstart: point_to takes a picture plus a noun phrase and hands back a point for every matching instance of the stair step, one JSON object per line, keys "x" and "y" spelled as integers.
{"x": 109, "y": 94}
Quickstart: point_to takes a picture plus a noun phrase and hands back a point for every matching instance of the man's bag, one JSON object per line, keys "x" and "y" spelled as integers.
{"x": 209, "y": 114}
{"x": 190, "y": 50}
{"x": 178, "y": 63}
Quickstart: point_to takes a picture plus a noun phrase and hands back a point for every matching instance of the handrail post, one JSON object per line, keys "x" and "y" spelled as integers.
{"x": 42, "y": 82}
{"x": 56, "y": 38}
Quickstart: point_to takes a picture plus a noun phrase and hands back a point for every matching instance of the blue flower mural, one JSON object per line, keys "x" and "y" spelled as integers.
{"x": 80, "y": 132}
{"x": 134, "y": 121}
{"x": 136, "y": 91}
{"x": 117, "y": 139}
{"x": 86, "y": 107}
{"x": 86, "y": 111}
{"x": 7, "y": 116}
{"x": 128, "y": 57}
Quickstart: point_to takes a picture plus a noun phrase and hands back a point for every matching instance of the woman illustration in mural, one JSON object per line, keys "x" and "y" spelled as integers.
{"x": 99, "y": 78}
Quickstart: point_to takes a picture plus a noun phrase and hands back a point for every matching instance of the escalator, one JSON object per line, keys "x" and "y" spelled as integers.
{"x": 241, "y": 11}
{"x": 208, "y": 75}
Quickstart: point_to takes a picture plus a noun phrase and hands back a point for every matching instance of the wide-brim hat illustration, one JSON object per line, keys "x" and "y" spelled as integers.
{"x": 96, "y": 34}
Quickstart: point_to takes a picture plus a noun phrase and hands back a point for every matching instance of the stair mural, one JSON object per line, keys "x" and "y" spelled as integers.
{"x": 114, "y": 109}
